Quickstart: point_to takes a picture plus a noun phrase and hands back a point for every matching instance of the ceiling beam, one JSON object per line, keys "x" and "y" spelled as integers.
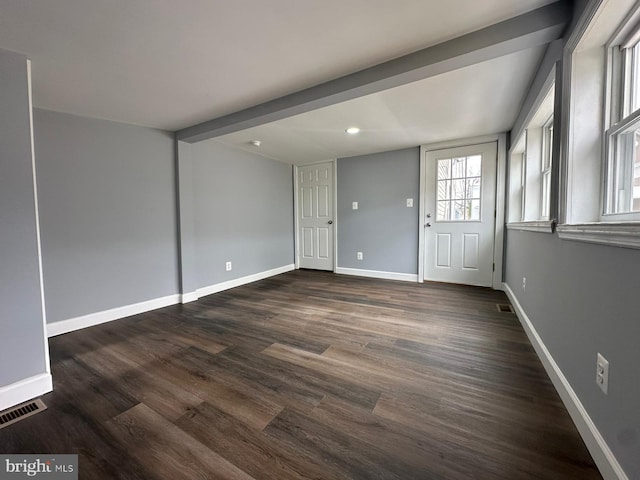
{"x": 531, "y": 29}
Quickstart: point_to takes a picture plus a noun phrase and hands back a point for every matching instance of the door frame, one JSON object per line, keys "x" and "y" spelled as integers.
{"x": 296, "y": 206}
{"x": 501, "y": 175}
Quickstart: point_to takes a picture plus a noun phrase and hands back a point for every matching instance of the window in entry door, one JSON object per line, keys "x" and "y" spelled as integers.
{"x": 458, "y": 189}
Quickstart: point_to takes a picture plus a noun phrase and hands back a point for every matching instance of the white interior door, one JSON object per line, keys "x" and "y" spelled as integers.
{"x": 315, "y": 216}
{"x": 460, "y": 203}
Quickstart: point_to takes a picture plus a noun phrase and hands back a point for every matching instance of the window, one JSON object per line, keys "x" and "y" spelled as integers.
{"x": 459, "y": 182}
{"x": 522, "y": 187}
{"x": 517, "y": 181}
{"x": 530, "y": 167}
{"x": 547, "y": 161}
{"x": 601, "y": 126}
{"x": 623, "y": 135}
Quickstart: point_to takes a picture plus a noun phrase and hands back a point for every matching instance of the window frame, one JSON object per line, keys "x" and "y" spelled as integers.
{"x": 587, "y": 81}
{"x": 466, "y": 197}
{"x": 523, "y": 180}
{"x": 546, "y": 168}
{"x": 623, "y": 74}
{"x": 528, "y": 154}
{"x": 516, "y": 183}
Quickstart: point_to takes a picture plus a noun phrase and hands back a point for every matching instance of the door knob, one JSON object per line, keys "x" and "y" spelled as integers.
{"x": 428, "y": 224}
{"x": 428, "y": 215}
{"x": 330, "y": 222}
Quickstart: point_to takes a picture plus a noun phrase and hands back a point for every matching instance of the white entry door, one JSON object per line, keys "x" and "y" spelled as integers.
{"x": 315, "y": 216}
{"x": 460, "y": 203}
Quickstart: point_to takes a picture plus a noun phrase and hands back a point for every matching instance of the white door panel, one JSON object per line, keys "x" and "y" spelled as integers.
{"x": 315, "y": 216}
{"x": 460, "y": 204}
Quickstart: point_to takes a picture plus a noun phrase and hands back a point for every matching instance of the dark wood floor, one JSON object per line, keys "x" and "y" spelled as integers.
{"x": 308, "y": 375}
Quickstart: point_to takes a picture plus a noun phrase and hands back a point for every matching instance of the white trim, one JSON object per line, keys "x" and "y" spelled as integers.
{"x": 623, "y": 234}
{"x": 25, "y": 390}
{"x": 188, "y": 297}
{"x": 72, "y": 324}
{"x": 463, "y": 142}
{"x": 542, "y": 226}
{"x": 422, "y": 219}
{"x": 37, "y": 215}
{"x": 237, "y": 282}
{"x": 335, "y": 214}
{"x": 501, "y": 192}
{"x": 405, "y": 277}
{"x": 296, "y": 226}
{"x": 596, "y": 444}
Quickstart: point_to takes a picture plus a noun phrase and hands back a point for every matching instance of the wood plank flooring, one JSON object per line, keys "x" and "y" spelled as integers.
{"x": 308, "y": 375}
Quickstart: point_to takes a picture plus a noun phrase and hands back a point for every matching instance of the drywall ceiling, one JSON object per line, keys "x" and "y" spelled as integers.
{"x": 472, "y": 101}
{"x": 169, "y": 64}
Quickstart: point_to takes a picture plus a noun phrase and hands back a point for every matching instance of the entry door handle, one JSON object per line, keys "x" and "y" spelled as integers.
{"x": 427, "y": 224}
{"x": 330, "y": 222}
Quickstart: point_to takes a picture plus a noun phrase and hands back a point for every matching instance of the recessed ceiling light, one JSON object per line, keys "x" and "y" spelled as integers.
{"x": 256, "y": 143}
{"x": 352, "y": 130}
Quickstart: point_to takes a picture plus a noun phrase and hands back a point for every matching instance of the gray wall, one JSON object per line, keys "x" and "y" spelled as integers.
{"x": 243, "y": 213}
{"x": 383, "y": 228}
{"x": 22, "y": 342}
{"x": 107, "y": 211}
{"x": 583, "y": 299}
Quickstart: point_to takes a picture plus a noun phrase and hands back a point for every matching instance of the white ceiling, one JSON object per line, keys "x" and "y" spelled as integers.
{"x": 169, "y": 64}
{"x": 473, "y": 101}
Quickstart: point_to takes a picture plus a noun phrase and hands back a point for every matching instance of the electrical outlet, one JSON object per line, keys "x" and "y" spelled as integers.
{"x": 359, "y": 255}
{"x": 409, "y": 202}
{"x": 524, "y": 283}
{"x": 227, "y": 266}
{"x": 354, "y": 205}
{"x": 602, "y": 373}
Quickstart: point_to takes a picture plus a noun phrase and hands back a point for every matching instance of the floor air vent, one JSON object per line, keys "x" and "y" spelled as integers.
{"x": 15, "y": 414}
{"x": 504, "y": 308}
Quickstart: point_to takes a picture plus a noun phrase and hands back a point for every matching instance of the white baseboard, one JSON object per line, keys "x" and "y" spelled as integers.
{"x": 189, "y": 297}
{"x": 72, "y": 324}
{"x": 24, "y": 390}
{"x": 237, "y": 282}
{"x": 600, "y": 451}
{"x": 66, "y": 326}
{"x": 405, "y": 277}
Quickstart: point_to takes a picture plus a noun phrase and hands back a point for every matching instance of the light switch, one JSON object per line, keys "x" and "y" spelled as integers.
{"x": 409, "y": 202}
{"x": 354, "y": 205}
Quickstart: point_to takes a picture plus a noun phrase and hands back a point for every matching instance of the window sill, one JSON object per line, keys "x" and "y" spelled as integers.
{"x": 541, "y": 226}
{"x": 618, "y": 234}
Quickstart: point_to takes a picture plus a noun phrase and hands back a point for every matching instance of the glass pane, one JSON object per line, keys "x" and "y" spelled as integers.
{"x": 444, "y": 168}
{"x": 548, "y": 146}
{"x": 626, "y": 180}
{"x": 458, "y": 168}
{"x": 444, "y": 211}
{"x": 457, "y": 189}
{"x": 458, "y": 210}
{"x": 474, "y": 165}
{"x": 444, "y": 189}
{"x": 473, "y": 210}
{"x": 635, "y": 79}
{"x": 636, "y": 173}
{"x": 473, "y": 187}
{"x": 546, "y": 181}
